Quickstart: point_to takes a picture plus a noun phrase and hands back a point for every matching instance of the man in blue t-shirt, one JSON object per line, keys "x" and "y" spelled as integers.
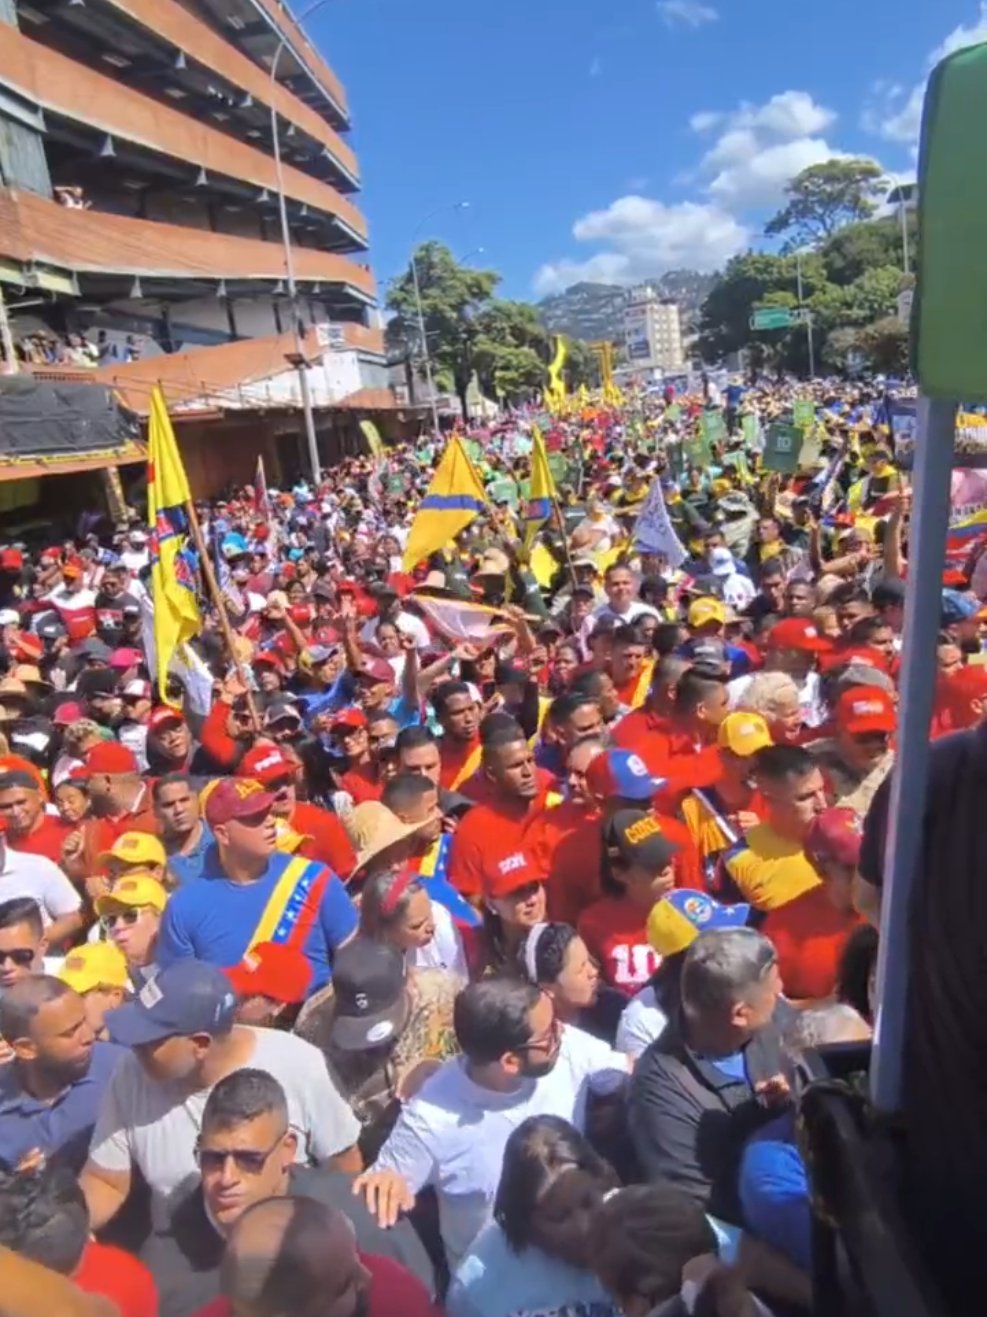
{"x": 246, "y": 894}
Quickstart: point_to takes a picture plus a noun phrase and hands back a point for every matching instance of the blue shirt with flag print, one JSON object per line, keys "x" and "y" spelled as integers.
{"x": 214, "y": 919}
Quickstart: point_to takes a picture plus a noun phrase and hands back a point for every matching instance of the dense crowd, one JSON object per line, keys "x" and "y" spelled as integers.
{"x": 446, "y": 936}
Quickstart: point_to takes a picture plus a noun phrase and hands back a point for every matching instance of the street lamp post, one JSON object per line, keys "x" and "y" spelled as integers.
{"x": 300, "y": 363}
{"x": 456, "y": 205}
{"x": 807, "y": 314}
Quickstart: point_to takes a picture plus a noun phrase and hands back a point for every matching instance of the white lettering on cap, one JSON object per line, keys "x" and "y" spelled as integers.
{"x": 361, "y": 1001}
{"x": 270, "y": 761}
{"x": 810, "y": 632}
{"x": 867, "y": 706}
{"x": 516, "y": 861}
{"x": 637, "y": 766}
{"x": 150, "y": 995}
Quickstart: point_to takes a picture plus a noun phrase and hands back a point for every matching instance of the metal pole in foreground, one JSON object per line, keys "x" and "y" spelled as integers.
{"x": 808, "y": 316}
{"x": 425, "y": 352}
{"x": 289, "y": 265}
{"x": 923, "y": 603}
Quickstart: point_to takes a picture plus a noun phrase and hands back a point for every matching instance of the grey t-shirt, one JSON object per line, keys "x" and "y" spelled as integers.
{"x": 154, "y": 1127}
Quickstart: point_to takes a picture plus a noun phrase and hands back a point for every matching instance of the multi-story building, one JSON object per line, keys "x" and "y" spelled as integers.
{"x": 139, "y": 208}
{"x": 652, "y": 333}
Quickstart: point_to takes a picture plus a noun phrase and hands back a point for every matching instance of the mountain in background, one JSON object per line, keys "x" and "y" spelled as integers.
{"x": 594, "y": 312}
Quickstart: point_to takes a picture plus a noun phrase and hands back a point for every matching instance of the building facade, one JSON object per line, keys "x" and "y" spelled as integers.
{"x": 139, "y": 207}
{"x": 652, "y": 334}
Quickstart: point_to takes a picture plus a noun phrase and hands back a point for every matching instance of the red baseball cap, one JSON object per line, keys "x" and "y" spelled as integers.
{"x": 798, "y": 633}
{"x": 863, "y": 709}
{"x": 237, "y": 798}
{"x": 863, "y": 655}
{"x": 126, "y": 658}
{"x": 72, "y": 569}
{"x": 350, "y": 718}
{"x": 111, "y": 757}
{"x": 267, "y": 658}
{"x": 508, "y": 874}
{"x": 67, "y": 713}
{"x": 834, "y": 835}
{"x": 162, "y": 716}
{"x": 271, "y": 969}
{"x": 264, "y": 763}
{"x": 11, "y": 560}
{"x": 377, "y": 670}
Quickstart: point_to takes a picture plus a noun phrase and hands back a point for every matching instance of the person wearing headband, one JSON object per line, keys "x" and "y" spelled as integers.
{"x": 396, "y": 909}
{"x": 556, "y": 959}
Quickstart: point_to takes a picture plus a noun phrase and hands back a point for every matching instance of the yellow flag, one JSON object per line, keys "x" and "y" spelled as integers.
{"x": 541, "y": 497}
{"x": 372, "y": 436}
{"x": 454, "y": 498}
{"x": 176, "y": 609}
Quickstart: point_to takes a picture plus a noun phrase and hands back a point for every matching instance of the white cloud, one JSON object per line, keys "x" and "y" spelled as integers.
{"x": 642, "y": 239}
{"x": 761, "y": 147}
{"x": 686, "y": 13}
{"x": 896, "y": 114}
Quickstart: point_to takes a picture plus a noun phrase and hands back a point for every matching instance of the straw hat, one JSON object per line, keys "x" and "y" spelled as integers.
{"x": 493, "y": 562}
{"x": 13, "y": 687}
{"x": 372, "y": 828}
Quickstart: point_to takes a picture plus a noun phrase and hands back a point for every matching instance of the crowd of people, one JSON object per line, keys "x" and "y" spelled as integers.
{"x": 444, "y": 936}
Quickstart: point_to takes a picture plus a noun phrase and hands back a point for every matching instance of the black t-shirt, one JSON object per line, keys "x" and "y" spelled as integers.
{"x": 185, "y": 1262}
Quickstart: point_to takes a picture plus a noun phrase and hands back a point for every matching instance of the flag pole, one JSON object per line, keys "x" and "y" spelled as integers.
{"x": 220, "y": 603}
{"x": 565, "y": 538}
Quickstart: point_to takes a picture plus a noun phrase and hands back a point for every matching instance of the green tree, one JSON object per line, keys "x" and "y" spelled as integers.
{"x": 581, "y": 367}
{"x": 824, "y": 198}
{"x": 885, "y": 345}
{"x": 746, "y": 282}
{"x": 510, "y": 350}
{"x": 452, "y": 297}
{"x": 857, "y": 248}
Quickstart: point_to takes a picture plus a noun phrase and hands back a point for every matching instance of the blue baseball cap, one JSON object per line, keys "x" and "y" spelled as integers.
{"x": 678, "y": 918}
{"x": 624, "y": 774}
{"x": 187, "y": 998}
{"x": 958, "y": 607}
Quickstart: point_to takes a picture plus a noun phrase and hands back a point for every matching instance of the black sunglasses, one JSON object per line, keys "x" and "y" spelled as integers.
{"x": 247, "y": 1160}
{"x": 20, "y": 956}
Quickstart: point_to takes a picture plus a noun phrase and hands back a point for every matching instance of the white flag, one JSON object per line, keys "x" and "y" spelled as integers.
{"x": 653, "y": 530}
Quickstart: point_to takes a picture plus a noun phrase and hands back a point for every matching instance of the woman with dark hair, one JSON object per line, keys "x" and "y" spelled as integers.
{"x": 531, "y": 1257}
{"x": 642, "y": 1239}
{"x": 856, "y": 971}
{"x": 556, "y": 959}
{"x": 513, "y": 902}
{"x": 395, "y": 908}
{"x": 638, "y": 869}
{"x": 565, "y": 665}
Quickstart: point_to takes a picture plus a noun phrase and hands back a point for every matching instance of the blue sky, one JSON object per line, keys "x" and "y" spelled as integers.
{"x": 613, "y": 141}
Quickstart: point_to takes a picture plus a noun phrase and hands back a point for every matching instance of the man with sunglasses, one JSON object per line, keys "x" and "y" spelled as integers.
{"x": 23, "y": 945}
{"x": 246, "y": 1153}
{"x": 326, "y": 839}
{"x": 131, "y": 918}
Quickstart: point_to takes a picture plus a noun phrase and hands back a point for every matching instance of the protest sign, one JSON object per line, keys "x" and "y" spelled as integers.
{"x": 503, "y": 491}
{"x": 713, "y": 427}
{"x": 751, "y": 430}
{"x": 653, "y": 530}
{"x": 782, "y": 447}
{"x": 695, "y": 450}
{"x": 804, "y": 413}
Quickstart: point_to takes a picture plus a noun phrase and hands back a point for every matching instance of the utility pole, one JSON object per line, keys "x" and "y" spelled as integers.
{"x": 806, "y": 314}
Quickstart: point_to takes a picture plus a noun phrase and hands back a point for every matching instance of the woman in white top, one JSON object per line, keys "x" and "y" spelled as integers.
{"x": 395, "y": 908}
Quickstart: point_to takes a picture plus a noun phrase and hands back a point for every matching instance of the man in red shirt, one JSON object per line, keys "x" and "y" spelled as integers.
{"x": 298, "y": 1256}
{"x": 681, "y": 748}
{"x": 29, "y": 828}
{"x": 459, "y": 747}
{"x": 326, "y": 839}
{"x": 514, "y": 799}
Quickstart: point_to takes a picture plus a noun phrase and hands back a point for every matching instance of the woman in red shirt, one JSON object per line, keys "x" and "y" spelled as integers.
{"x": 513, "y": 903}
{"x": 638, "y": 870}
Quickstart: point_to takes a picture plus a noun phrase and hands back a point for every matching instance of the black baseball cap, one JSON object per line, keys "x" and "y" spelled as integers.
{"x": 371, "y": 999}
{"x": 636, "y": 837}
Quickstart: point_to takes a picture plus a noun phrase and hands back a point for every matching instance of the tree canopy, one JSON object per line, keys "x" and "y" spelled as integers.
{"x": 825, "y": 197}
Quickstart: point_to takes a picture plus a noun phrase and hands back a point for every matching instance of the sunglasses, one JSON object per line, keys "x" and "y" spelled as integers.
{"x": 279, "y": 784}
{"x": 247, "y": 1160}
{"x": 22, "y": 957}
{"x": 126, "y": 917}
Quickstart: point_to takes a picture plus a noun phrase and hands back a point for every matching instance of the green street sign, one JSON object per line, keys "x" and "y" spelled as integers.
{"x": 773, "y": 317}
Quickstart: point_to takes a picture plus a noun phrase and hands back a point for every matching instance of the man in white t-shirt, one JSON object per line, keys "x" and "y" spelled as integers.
{"x": 184, "y": 1039}
{"x": 39, "y": 878}
{"x": 518, "y": 1061}
{"x": 622, "y": 604}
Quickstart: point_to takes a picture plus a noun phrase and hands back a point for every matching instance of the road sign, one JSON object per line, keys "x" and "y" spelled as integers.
{"x": 778, "y": 317}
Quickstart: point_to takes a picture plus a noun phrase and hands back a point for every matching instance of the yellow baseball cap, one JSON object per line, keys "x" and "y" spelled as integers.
{"x": 132, "y": 890}
{"x": 703, "y": 611}
{"x": 678, "y": 918}
{"x": 743, "y": 733}
{"x": 135, "y": 848}
{"x": 95, "y": 965}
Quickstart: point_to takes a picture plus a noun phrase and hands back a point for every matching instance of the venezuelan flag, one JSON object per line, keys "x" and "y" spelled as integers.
{"x": 538, "y": 508}
{"x": 454, "y": 498}
{"x": 173, "y": 562}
